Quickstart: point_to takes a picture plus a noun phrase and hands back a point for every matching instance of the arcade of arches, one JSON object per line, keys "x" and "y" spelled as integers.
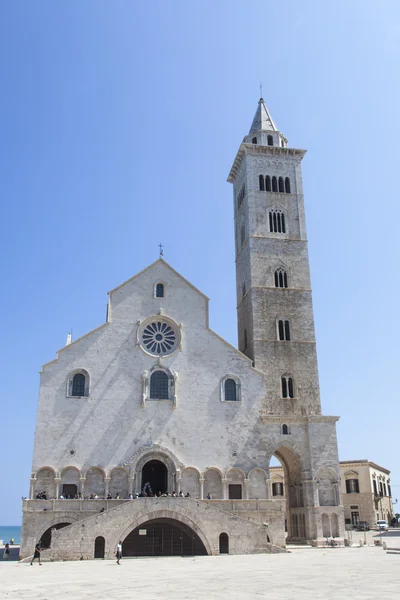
{"x": 158, "y": 476}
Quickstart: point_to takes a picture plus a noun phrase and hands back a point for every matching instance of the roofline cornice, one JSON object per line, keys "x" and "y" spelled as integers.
{"x": 267, "y": 418}
{"x": 265, "y": 150}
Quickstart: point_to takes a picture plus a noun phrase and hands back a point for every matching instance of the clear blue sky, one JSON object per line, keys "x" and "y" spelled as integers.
{"x": 119, "y": 124}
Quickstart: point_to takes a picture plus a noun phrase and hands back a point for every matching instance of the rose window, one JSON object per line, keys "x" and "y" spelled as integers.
{"x": 159, "y": 338}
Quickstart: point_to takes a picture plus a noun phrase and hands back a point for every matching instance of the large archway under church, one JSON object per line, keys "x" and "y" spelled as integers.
{"x": 45, "y": 540}
{"x": 163, "y": 537}
{"x": 287, "y": 484}
{"x": 154, "y": 478}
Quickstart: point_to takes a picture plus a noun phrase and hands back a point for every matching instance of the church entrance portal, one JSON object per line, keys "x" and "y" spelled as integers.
{"x": 163, "y": 537}
{"x": 154, "y": 478}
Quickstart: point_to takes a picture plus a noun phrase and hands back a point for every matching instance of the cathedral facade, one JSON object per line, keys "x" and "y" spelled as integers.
{"x": 155, "y": 431}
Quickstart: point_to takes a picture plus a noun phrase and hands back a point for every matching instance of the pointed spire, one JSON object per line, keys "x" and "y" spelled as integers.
{"x": 69, "y": 339}
{"x": 262, "y": 119}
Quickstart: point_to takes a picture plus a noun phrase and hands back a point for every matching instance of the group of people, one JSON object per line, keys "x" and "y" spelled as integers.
{"x": 145, "y": 493}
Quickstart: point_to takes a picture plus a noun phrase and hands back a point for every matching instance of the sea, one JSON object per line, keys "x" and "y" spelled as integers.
{"x": 10, "y": 531}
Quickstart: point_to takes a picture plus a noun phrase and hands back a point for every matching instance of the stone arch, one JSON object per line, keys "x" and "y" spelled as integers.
{"x": 326, "y": 479}
{"x": 70, "y": 383}
{"x": 119, "y": 482}
{"x": 155, "y": 453}
{"x": 213, "y": 483}
{"x": 166, "y": 514}
{"x": 70, "y": 480}
{"x": 235, "y": 477}
{"x": 45, "y": 477}
{"x": 257, "y": 484}
{"x": 290, "y": 458}
{"x": 62, "y": 517}
{"x": 95, "y": 483}
{"x": 326, "y": 525}
{"x": 191, "y": 482}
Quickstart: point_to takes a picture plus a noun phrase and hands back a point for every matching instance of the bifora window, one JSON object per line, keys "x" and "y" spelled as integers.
{"x": 287, "y": 386}
{"x": 159, "y": 386}
{"x": 159, "y": 338}
{"x": 284, "y": 330}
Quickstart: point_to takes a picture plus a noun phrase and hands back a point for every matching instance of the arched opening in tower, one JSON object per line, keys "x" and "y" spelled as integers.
{"x": 286, "y": 484}
{"x": 154, "y": 478}
{"x": 163, "y": 537}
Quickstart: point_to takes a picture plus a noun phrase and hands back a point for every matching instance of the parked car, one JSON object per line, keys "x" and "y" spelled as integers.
{"x": 362, "y": 526}
{"x": 382, "y": 525}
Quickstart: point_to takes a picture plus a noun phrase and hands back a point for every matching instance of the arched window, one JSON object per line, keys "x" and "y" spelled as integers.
{"x": 274, "y": 184}
{"x": 243, "y": 289}
{"x": 270, "y": 140}
{"x": 261, "y": 182}
{"x": 268, "y": 183}
{"x": 223, "y": 543}
{"x": 287, "y": 386}
{"x": 159, "y": 386}
{"x": 281, "y": 279}
{"x": 283, "y": 330}
{"x": 285, "y": 429}
{"x": 277, "y": 222}
{"x": 159, "y": 290}
{"x": 242, "y": 235}
{"x": 78, "y": 385}
{"x": 245, "y": 339}
{"x": 287, "y": 185}
{"x": 277, "y": 489}
{"x": 280, "y": 184}
{"x": 254, "y": 140}
{"x": 230, "y": 389}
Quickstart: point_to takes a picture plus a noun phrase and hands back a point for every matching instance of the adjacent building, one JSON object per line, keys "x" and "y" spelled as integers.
{"x": 365, "y": 487}
{"x": 156, "y": 404}
{"x": 366, "y": 492}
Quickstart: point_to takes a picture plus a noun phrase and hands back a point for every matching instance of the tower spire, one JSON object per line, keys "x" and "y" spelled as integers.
{"x": 262, "y": 119}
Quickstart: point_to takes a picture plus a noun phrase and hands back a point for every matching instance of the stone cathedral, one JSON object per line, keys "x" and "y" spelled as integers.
{"x": 153, "y": 430}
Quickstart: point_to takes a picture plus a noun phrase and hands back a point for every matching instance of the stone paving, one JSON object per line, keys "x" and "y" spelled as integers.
{"x": 366, "y": 573}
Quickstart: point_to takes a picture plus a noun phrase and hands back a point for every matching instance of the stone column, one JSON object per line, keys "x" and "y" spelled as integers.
{"x": 246, "y": 488}
{"x": 131, "y": 481}
{"x": 316, "y": 493}
{"x": 225, "y": 493}
{"x": 57, "y": 481}
{"x": 336, "y": 493}
{"x": 178, "y": 483}
{"x": 201, "y": 488}
{"x": 269, "y": 488}
{"x": 32, "y": 488}
{"x": 106, "y": 485}
{"x": 82, "y": 485}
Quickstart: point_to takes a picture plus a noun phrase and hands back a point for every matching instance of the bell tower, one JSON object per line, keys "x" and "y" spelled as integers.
{"x": 274, "y": 302}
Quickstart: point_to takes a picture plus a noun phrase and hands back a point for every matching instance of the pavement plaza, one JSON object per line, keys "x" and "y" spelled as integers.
{"x": 334, "y": 573}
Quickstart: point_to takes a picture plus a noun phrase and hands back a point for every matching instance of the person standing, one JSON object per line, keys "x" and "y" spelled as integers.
{"x": 37, "y": 554}
{"x": 6, "y": 554}
{"x": 119, "y": 552}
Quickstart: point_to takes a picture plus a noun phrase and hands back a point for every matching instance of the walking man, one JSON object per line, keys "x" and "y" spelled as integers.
{"x": 6, "y": 554}
{"x": 37, "y": 554}
{"x": 119, "y": 552}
